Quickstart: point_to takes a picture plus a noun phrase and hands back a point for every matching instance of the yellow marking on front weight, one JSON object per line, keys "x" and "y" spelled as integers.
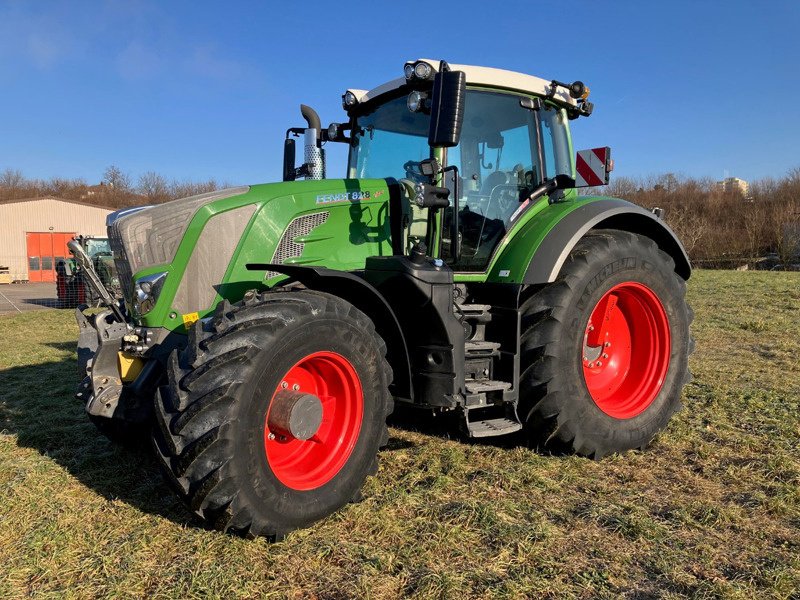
{"x": 129, "y": 366}
{"x": 190, "y": 318}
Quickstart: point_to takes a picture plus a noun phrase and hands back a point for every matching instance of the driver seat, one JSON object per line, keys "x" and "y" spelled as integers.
{"x": 492, "y": 180}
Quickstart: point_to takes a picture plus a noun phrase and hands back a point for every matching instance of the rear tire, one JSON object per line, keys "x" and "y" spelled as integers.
{"x": 212, "y": 430}
{"x": 579, "y": 390}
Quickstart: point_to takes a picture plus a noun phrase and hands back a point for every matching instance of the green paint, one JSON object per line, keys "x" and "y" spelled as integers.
{"x": 353, "y": 231}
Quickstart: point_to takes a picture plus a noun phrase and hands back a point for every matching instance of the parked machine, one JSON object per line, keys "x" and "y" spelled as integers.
{"x": 269, "y": 330}
{"x": 72, "y": 288}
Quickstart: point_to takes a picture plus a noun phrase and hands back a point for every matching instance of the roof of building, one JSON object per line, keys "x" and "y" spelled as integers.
{"x": 483, "y": 76}
{"x": 65, "y": 200}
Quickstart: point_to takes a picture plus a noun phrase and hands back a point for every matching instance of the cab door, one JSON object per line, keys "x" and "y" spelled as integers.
{"x": 499, "y": 163}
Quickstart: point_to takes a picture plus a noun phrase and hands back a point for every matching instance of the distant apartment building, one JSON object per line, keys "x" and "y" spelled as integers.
{"x": 734, "y": 184}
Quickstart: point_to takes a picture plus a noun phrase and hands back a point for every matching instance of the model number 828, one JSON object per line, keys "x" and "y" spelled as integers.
{"x": 342, "y": 197}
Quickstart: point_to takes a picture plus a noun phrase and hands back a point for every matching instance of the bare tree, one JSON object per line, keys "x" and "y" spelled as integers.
{"x": 689, "y": 227}
{"x": 12, "y": 179}
{"x": 115, "y": 178}
{"x": 785, "y": 227}
{"x": 154, "y": 187}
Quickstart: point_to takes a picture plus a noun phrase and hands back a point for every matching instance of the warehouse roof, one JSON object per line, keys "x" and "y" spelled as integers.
{"x": 18, "y": 200}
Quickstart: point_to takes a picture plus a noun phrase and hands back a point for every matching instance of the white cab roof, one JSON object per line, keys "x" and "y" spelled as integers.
{"x": 480, "y": 76}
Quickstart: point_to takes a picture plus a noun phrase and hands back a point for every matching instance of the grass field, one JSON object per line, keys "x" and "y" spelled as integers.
{"x": 711, "y": 509}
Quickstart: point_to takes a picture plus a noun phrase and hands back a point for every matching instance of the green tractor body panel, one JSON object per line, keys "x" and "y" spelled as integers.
{"x": 356, "y": 225}
{"x": 353, "y": 224}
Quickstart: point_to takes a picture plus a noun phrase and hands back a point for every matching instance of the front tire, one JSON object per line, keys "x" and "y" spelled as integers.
{"x": 216, "y": 428}
{"x": 605, "y": 348}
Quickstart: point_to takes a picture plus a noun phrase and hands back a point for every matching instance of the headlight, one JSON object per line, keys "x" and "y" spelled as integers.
{"x": 147, "y": 290}
{"x": 416, "y": 101}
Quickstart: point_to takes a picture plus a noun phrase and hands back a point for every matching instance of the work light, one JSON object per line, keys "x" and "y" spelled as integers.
{"x": 349, "y": 100}
{"x": 423, "y": 70}
{"x": 416, "y": 101}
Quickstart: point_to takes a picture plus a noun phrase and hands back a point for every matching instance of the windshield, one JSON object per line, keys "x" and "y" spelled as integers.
{"x": 97, "y": 246}
{"x": 385, "y": 139}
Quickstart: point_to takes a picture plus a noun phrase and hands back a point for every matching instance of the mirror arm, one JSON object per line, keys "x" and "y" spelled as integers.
{"x": 559, "y": 182}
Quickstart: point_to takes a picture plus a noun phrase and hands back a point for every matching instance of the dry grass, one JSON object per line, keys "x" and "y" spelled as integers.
{"x": 711, "y": 509}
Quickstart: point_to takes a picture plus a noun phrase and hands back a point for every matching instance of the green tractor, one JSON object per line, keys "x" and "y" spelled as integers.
{"x": 268, "y": 331}
{"x": 72, "y": 288}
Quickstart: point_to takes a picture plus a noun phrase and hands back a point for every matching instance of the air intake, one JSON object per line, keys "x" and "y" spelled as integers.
{"x": 288, "y": 247}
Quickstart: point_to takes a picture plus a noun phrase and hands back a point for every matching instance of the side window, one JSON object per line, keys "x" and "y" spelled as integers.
{"x": 555, "y": 142}
{"x": 497, "y": 160}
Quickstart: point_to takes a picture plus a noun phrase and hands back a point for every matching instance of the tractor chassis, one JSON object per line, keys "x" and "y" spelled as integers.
{"x": 101, "y": 341}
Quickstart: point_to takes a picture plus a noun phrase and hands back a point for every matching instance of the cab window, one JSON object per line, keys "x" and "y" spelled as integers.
{"x": 498, "y": 163}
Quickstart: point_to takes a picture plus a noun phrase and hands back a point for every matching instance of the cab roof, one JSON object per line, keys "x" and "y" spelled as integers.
{"x": 480, "y": 76}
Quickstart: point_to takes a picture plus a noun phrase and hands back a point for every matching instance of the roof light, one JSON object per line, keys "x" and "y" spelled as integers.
{"x": 423, "y": 70}
{"x": 577, "y": 90}
{"x": 349, "y": 100}
{"x": 408, "y": 70}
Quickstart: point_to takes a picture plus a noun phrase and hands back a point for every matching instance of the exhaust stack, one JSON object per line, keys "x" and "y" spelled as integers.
{"x": 313, "y": 154}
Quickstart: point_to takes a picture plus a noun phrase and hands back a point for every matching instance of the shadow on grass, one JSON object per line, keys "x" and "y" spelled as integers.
{"x": 38, "y": 406}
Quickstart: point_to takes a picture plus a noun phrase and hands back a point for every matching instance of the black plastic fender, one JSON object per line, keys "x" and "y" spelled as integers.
{"x": 366, "y": 298}
{"x": 610, "y": 213}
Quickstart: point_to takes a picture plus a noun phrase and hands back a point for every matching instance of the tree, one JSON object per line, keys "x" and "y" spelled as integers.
{"x": 12, "y": 179}
{"x": 153, "y": 186}
{"x": 116, "y": 179}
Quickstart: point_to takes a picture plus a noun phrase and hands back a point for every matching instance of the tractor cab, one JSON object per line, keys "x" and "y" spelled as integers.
{"x": 491, "y": 146}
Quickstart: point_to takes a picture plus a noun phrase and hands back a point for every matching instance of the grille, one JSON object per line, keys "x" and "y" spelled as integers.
{"x": 150, "y": 236}
{"x": 288, "y": 247}
{"x": 121, "y": 261}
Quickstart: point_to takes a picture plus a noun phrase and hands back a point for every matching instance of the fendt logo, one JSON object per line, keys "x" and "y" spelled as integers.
{"x": 343, "y": 197}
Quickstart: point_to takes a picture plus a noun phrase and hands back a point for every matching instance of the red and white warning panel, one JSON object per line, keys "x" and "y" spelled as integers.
{"x": 593, "y": 166}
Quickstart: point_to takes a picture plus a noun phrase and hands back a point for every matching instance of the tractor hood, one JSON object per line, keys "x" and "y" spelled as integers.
{"x": 173, "y": 259}
{"x": 147, "y": 236}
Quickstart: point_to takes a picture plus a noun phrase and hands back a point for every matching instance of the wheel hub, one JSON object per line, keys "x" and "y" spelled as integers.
{"x": 295, "y": 414}
{"x": 626, "y": 350}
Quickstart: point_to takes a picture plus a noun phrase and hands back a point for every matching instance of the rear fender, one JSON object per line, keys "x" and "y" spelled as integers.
{"x": 367, "y": 299}
{"x": 607, "y": 213}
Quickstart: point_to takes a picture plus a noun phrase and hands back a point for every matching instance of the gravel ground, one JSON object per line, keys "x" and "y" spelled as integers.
{"x": 22, "y": 297}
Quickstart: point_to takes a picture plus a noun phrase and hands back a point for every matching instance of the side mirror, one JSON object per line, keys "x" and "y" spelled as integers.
{"x": 592, "y": 167}
{"x": 447, "y": 107}
{"x": 288, "y": 160}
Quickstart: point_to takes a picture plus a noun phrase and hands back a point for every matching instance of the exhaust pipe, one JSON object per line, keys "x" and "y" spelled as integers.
{"x": 313, "y": 154}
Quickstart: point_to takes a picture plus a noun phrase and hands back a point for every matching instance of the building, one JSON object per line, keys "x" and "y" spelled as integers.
{"x": 34, "y": 234}
{"x": 734, "y": 184}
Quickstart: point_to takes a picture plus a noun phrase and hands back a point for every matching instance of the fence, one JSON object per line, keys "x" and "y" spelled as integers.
{"x": 51, "y": 281}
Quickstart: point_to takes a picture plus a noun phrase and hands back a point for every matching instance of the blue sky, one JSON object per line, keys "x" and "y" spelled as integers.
{"x": 199, "y": 89}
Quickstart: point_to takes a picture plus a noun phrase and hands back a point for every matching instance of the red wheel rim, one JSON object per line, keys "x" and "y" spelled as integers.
{"x": 309, "y": 464}
{"x": 626, "y": 350}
